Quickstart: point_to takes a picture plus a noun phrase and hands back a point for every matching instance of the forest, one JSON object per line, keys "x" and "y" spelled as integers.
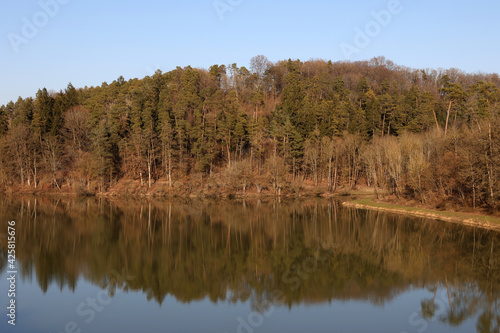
{"x": 427, "y": 135}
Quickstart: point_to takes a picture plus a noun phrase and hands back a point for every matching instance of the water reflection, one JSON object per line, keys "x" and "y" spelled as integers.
{"x": 311, "y": 251}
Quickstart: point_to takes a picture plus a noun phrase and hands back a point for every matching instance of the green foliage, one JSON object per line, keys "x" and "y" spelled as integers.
{"x": 194, "y": 120}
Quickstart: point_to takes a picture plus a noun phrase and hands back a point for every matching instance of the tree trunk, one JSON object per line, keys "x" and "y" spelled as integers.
{"x": 335, "y": 179}
{"x": 436, "y": 119}
{"x": 34, "y": 173}
{"x": 149, "y": 172}
{"x": 228, "y": 145}
{"x": 55, "y": 180}
{"x": 490, "y": 171}
{"x": 330, "y": 174}
{"x": 169, "y": 168}
{"x": 447, "y": 119}
{"x": 383, "y": 125}
{"x": 251, "y": 157}
{"x": 316, "y": 173}
{"x": 474, "y": 195}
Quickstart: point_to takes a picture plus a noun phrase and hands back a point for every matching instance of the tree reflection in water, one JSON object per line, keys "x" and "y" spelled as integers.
{"x": 243, "y": 250}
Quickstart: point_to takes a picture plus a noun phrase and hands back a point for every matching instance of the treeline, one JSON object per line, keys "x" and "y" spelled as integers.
{"x": 423, "y": 134}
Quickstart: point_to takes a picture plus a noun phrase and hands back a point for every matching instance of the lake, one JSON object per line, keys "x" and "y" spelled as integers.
{"x": 311, "y": 265}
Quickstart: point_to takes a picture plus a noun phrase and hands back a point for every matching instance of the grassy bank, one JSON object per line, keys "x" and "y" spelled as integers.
{"x": 483, "y": 221}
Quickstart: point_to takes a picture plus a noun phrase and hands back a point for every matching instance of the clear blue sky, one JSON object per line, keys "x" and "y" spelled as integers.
{"x": 88, "y": 42}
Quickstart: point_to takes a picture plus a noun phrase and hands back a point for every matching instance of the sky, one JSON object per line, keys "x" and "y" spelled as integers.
{"x": 49, "y": 43}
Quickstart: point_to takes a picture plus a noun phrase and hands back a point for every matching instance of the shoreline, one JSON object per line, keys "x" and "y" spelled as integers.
{"x": 361, "y": 198}
{"x": 468, "y": 219}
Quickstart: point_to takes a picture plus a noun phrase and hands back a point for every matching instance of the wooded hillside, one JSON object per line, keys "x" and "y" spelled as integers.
{"x": 430, "y": 135}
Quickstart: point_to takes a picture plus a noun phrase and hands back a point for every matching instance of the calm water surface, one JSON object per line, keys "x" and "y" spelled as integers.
{"x": 94, "y": 265}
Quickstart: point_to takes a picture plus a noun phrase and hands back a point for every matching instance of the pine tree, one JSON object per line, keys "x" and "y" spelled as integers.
{"x": 101, "y": 153}
{"x": 42, "y": 112}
